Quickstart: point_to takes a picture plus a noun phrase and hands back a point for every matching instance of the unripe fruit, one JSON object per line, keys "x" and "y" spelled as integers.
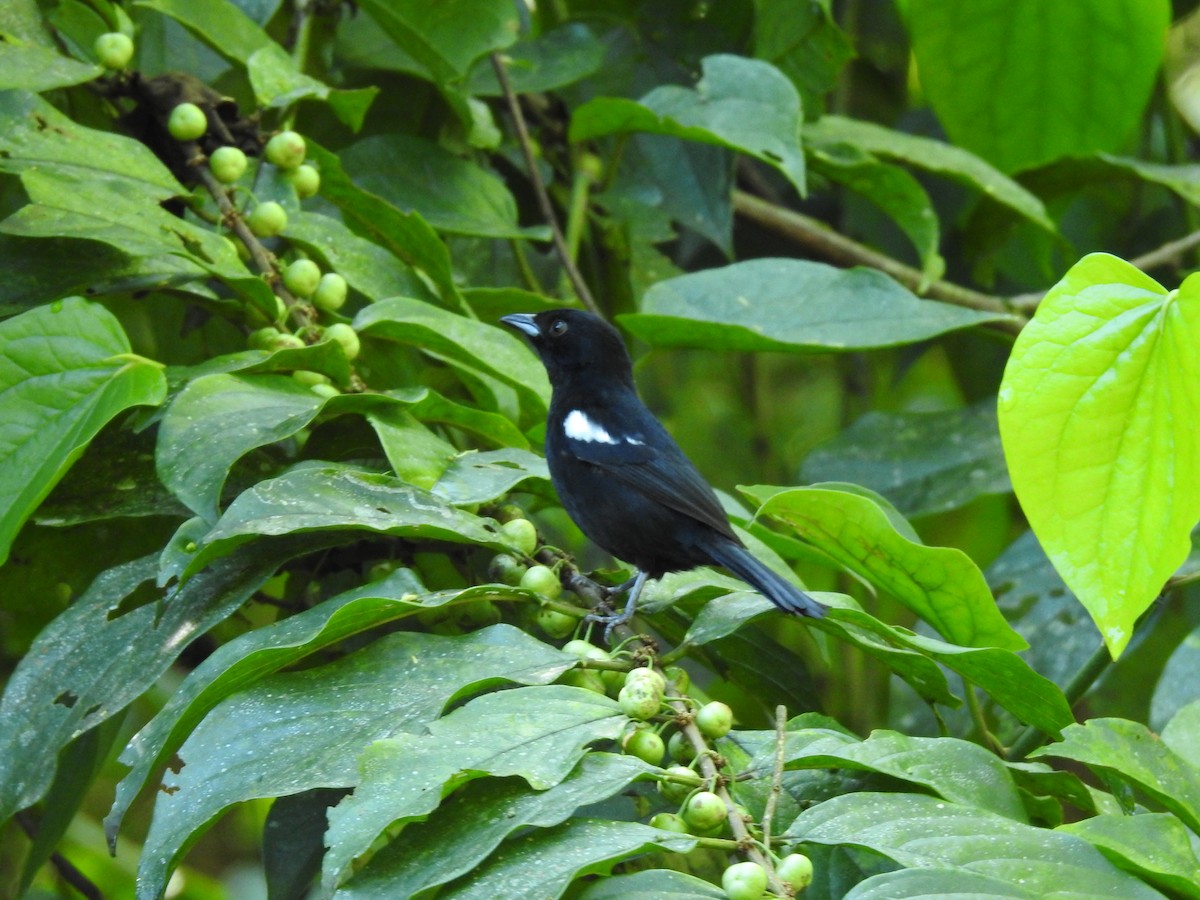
{"x": 646, "y": 745}
{"x": 678, "y": 676}
{"x": 681, "y": 748}
{"x": 285, "y": 342}
{"x": 669, "y": 822}
{"x": 286, "y": 150}
{"x": 714, "y": 719}
{"x": 305, "y": 377}
{"x": 346, "y": 336}
{"x": 542, "y": 580}
{"x": 704, "y": 810}
{"x": 648, "y": 676}
{"x": 476, "y": 614}
{"x": 506, "y": 569}
{"x": 268, "y": 219}
{"x": 795, "y": 869}
{"x": 744, "y": 881}
{"x": 331, "y": 292}
{"x": 227, "y": 164}
{"x": 113, "y": 49}
{"x": 301, "y": 277}
{"x": 638, "y": 701}
{"x": 306, "y": 180}
{"x": 187, "y": 122}
{"x": 262, "y": 339}
{"x": 591, "y": 167}
{"x": 677, "y": 791}
{"x": 584, "y": 678}
{"x": 584, "y": 650}
{"x": 521, "y": 533}
{"x": 325, "y": 391}
{"x": 556, "y": 624}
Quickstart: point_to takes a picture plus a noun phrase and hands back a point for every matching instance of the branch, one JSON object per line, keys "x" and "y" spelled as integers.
{"x": 539, "y": 189}
{"x": 845, "y": 251}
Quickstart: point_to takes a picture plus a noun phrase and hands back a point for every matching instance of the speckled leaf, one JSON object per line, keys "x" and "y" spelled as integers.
{"x": 296, "y": 731}
{"x": 405, "y": 776}
{"x": 553, "y": 59}
{"x": 791, "y": 305}
{"x": 461, "y": 833}
{"x": 652, "y": 884}
{"x": 1099, "y": 416}
{"x": 919, "y": 831}
{"x": 33, "y": 68}
{"x": 1155, "y": 846}
{"x": 744, "y": 104}
{"x": 475, "y": 477}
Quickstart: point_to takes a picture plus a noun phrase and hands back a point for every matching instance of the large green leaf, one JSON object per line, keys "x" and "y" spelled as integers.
{"x": 278, "y": 83}
{"x": 1099, "y": 413}
{"x": 404, "y": 777}
{"x": 792, "y": 305}
{"x": 65, "y": 371}
{"x": 743, "y": 104}
{"x": 652, "y": 884}
{"x": 451, "y": 194}
{"x": 461, "y": 833}
{"x": 918, "y": 831}
{"x": 940, "y": 584}
{"x": 33, "y": 68}
{"x": 1018, "y": 82}
{"x": 1132, "y": 752}
{"x": 219, "y": 23}
{"x": 803, "y": 39}
{"x": 1155, "y": 846}
{"x": 480, "y": 477}
{"x": 301, "y": 730}
{"x": 550, "y": 60}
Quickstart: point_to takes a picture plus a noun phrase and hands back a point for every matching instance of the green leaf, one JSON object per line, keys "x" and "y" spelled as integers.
{"x": 278, "y": 84}
{"x": 742, "y": 104}
{"x": 1098, "y": 416}
{"x": 940, "y": 584}
{"x": 461, "y": 342}
{"x": 416, "y": 454}
{"x": 803, "y": 39}
{"x": 924, "y": 462}
{"x": 221, "y": 24}
{"x": 33, "y": 68}
{"x": 652, "y": 884}
{"x": 1137, "y": 755}
{"x": 554, "y": 59}
{"x": 918, "y": 831}
{"x": 461, "y": 833}
{"x": 792, "y": 305}
{"x": 933, "y": 156}
{"x": 1016, "y": 81}
{"x": 543, "y": 864}
{"x": 247, "y": 747}
{"x": 475, "y": 477}
{"x": 923, "y": 883}
{"x": 405, "y": 776}
{"x": 451, "y": 194}
{"x": 328, "y": 497}
{"x": 66, "y": 370}
{"x": 1155, "y": 846}
{"x": 1182, "y": 733}
{"x": 447, "y": 37}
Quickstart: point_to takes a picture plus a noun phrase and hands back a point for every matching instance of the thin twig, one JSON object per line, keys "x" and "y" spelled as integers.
{"x": 776, "y": 774}
{"x": 1167, "y": 253}
{"x": 841, "y": 249}
{"x": 66, "y": 870}
{"x": 539, "y": 189}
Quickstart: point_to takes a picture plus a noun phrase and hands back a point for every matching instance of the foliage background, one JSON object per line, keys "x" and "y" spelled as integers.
{"x": 208, "y": 562}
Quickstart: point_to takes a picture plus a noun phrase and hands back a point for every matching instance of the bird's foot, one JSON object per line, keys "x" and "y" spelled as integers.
{"x": 634, "y": 586}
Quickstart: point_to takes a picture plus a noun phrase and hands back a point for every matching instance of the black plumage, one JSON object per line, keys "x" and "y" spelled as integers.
{"x": 621, "y": 477}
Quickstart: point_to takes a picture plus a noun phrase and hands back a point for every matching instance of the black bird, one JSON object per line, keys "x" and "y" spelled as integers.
{"x": 621, "y": 476}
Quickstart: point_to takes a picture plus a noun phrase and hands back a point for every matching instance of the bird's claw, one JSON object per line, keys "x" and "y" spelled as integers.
{"x": 610, "y": 622}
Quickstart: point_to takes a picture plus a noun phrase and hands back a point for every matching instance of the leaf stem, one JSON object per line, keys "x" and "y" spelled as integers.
{"x": 980, "y": 721}
{"x": 776, "y": 774}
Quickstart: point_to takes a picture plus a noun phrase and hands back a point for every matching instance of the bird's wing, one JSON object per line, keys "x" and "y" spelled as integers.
{"x": 659, "y": 470}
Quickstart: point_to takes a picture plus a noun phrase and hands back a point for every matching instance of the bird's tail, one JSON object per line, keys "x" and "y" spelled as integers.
{"x": 742, "y": 563}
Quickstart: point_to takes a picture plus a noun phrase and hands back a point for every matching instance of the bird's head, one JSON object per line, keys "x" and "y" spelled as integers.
{"x": 571, "y": 342}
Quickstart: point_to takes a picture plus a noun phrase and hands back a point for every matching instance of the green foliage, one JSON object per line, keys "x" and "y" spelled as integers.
{"x": 285, "y": 586}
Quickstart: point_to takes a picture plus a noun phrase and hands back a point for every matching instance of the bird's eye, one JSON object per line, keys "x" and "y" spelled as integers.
{"x": 558, "y": 327}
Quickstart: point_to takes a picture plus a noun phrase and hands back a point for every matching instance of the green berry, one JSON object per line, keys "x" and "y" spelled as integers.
{"x": 262, "y": 339}
{"x": 704, "y": 810}
{"x": 556, "y": 624}
{"x": 113, "y": 49}
{"x": 305, "y": 179}
{"x": 714, "y": 719}
{"x": 666, "y": 821}
{"x": 645, "y": 744}
{"x": 325, "y": 391}
{"x": 744, "y": 881}
{"x": 331, "y": 292}
{"x": 584, "y": 650}
{"x": 542, "y": 580}
{"x": 308, "y": 378}
{"x": 677, "y": 791}
{"x": 187, "y": 122}
{"x": 268, "y": 219}
{"x": 795, "y": 869}
{"x": 286, "y": 342}
{"x": 681, "y": 748}
{"x": 591, "y": 167}
{"x": 506, "y": 569}
{"x": 227, "y": 164}
{"x": 346, "y": 336}
{"x": 584, "y": 678}
{"x": 650, "y": 677}
{"x": 638, "y": 702}
{"x": 301, "y": 277}
{"x": 286, "y": 150}
{"x": 521, "y": 533}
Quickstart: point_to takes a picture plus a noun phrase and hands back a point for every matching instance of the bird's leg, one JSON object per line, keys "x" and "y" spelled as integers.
{"x": 622, "y": 587}
{"x": 634, "y": 587}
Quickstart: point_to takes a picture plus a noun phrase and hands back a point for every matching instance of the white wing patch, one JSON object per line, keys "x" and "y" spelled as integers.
{"x": 580, "y": 428}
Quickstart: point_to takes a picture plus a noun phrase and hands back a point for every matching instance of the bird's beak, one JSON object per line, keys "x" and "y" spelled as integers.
{"x": 523, "y": 322}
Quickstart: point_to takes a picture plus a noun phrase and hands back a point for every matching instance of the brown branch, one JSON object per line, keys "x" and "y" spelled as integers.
{"x": 539, "y": 189}
{"x": 776, "y": 774}
{"x": 845, "y": 251}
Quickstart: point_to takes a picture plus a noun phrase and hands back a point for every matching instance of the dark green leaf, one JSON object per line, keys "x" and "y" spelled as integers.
{"x": 480, "y": 477}
{"x": 938, "y": 882}
{"x": 792, "y": 305}
{"x": 803, "y": 39}
{"x": 652, "y": 884}
{"x": 294, "y": 841}
{"x": 278, "y": 83}
{"x": 559, "y": 57}
{"x": 1177, "y": 686}
{"x": 219, "y": 23}
{"x": 66, "y": 371}
{"x": 1155, "y": 846}
{"x": 33, "y": 68}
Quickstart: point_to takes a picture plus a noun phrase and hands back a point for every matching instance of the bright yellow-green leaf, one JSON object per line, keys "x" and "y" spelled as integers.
{"x": 1099, "y": 416}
